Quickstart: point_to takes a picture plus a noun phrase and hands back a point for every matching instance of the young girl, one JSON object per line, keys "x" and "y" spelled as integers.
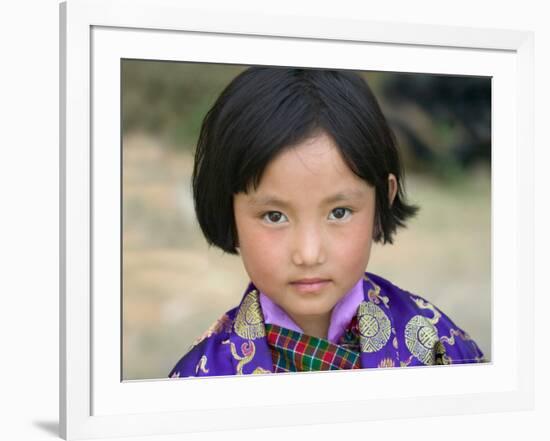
{"x": 297, "y": 171}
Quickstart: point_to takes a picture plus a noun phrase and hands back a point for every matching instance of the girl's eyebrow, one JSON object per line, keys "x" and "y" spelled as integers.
{"x": 343, "y": 196}
{"x": 268, "y": 200}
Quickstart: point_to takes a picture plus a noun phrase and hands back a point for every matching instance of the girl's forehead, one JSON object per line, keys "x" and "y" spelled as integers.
{"x": 312, "y": 172}
{"x": 315, "y": 158}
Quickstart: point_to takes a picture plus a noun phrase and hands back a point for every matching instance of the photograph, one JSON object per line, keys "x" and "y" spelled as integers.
{"x": 278, "y": 212}
{"x": 280, "y": 219}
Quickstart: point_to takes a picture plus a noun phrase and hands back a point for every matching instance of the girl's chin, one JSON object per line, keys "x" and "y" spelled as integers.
{"x": 306, "y": 312}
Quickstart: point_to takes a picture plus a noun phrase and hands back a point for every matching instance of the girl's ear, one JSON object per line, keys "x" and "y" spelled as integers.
{"x": 392, "y": 187}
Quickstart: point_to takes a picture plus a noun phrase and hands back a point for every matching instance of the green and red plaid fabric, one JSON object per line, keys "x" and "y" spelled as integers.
{"x": 296, "y": 352}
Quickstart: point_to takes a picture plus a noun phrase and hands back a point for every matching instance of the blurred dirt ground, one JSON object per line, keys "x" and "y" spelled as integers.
{"x": 175, "y": 286}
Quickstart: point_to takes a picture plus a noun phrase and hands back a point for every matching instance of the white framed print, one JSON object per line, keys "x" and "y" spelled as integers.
{"x": 115, "y": 381}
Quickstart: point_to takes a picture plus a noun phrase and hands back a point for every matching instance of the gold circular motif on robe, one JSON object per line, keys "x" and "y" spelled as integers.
{"x": 249, "y": 323}
{"x": 374, "y": 327}
{"x": 421, "y": 337}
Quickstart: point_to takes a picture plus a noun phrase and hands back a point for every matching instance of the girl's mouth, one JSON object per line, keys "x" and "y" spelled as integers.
{"x": 310, "y": 285}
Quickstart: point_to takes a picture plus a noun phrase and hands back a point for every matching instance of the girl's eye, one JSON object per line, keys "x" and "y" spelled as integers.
{"x": 340, "y": 213}
{"x": 274, "y": 217}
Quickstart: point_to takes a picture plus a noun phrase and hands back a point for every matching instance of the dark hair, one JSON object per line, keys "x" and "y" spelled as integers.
{"x": 265, "y": 110}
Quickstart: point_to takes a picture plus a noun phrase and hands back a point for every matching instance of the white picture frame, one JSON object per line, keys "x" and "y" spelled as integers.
{"x": 95, "y": 35}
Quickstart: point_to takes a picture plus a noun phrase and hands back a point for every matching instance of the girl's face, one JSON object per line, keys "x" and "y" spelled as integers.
{"x": 305, "y": 233}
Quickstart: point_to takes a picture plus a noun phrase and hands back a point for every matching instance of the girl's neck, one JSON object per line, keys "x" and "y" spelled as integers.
{"x": 315, "y": 326}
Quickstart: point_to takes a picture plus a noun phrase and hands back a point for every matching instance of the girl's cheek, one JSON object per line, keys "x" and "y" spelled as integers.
{"x": 265, "y": 241}
{"x": 355, "y": 242}
{"x": 266, "y": 256}
{"x": 273, "y": 243}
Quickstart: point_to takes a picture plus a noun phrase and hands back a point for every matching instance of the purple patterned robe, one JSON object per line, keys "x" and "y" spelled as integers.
{"x": 396, "y": 328}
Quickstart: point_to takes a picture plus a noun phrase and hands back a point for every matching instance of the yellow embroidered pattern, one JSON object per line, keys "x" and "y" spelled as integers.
{"x": 420, "y": 338}
{"x": 407, "y": 362}
{"x": 422, "y": 304}
{"x": 374, "y": 294}
{"x": 386, "y": 363}
{"x": 249, "y": 321}
{"x": 374, "y": 327}
{"x": 451, "y": 339}
{"x": 201, "y": 365}
{"x": 440, "y": 354}
{"x": 248, "y": 349}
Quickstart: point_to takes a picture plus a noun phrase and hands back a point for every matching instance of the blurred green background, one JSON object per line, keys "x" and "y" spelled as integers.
{"x": 175, "y": 286}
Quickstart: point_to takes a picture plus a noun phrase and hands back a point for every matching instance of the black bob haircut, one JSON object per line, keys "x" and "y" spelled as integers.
{"x": 266, "y": 110}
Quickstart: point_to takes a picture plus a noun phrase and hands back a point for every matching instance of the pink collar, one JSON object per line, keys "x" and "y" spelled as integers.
{"x": 342, "y": 313}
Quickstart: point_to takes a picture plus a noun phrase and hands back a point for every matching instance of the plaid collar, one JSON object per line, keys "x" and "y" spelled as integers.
{"x": 296, "y": 352}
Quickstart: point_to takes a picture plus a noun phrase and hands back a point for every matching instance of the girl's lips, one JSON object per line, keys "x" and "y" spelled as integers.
{"x": 310, "y": 285}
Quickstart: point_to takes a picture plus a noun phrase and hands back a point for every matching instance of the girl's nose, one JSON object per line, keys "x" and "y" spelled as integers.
{"x": 308, "y": 249}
